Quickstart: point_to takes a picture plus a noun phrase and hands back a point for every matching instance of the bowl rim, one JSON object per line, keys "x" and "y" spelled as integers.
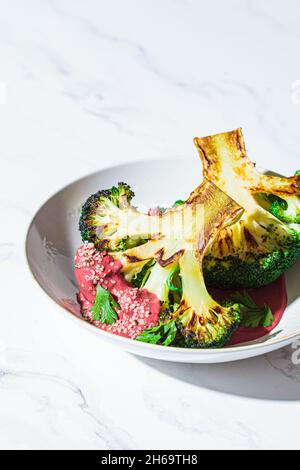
{"x": 106, "y": 335}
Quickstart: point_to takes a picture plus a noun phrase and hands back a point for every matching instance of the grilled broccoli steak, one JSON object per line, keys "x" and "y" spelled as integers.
{"x": 265, "y": 242}
{"x": 167, "y": 260}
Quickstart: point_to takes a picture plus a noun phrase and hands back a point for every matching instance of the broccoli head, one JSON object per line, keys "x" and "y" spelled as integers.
{"x": 266, "y": 240}
{"x": 169, "y": 264}
{"x": 109, "y": 221}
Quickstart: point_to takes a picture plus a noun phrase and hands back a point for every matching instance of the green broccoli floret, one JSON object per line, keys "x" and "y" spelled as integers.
{"x": 169, "y": 265}
{"x": 106, "y": 217}
{"x": 265, "y": 242}
{"x": 164, "y": 334}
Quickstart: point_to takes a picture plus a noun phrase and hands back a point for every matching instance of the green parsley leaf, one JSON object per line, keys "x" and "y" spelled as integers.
{"x": 243, "y": 298}
{"x": 104, "y": 307}
{"x": 253, "y": 316}
{"x": 164, "y": 334}
{"x": 268, "y": 317}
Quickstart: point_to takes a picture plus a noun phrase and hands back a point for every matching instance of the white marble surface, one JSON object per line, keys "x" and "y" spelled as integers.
{"x": 86, "y": 84}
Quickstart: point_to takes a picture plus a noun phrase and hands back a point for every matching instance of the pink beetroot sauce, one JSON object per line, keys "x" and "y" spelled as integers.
{"x": 140, "y": 309}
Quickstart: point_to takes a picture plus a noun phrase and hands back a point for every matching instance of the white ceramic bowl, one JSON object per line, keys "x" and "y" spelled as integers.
{"x": 53, "y": 238}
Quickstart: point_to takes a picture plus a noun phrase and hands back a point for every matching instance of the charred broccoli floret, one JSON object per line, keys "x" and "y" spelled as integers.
{"x": 169, "y": 264}
{"x": 265, "y": 242}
